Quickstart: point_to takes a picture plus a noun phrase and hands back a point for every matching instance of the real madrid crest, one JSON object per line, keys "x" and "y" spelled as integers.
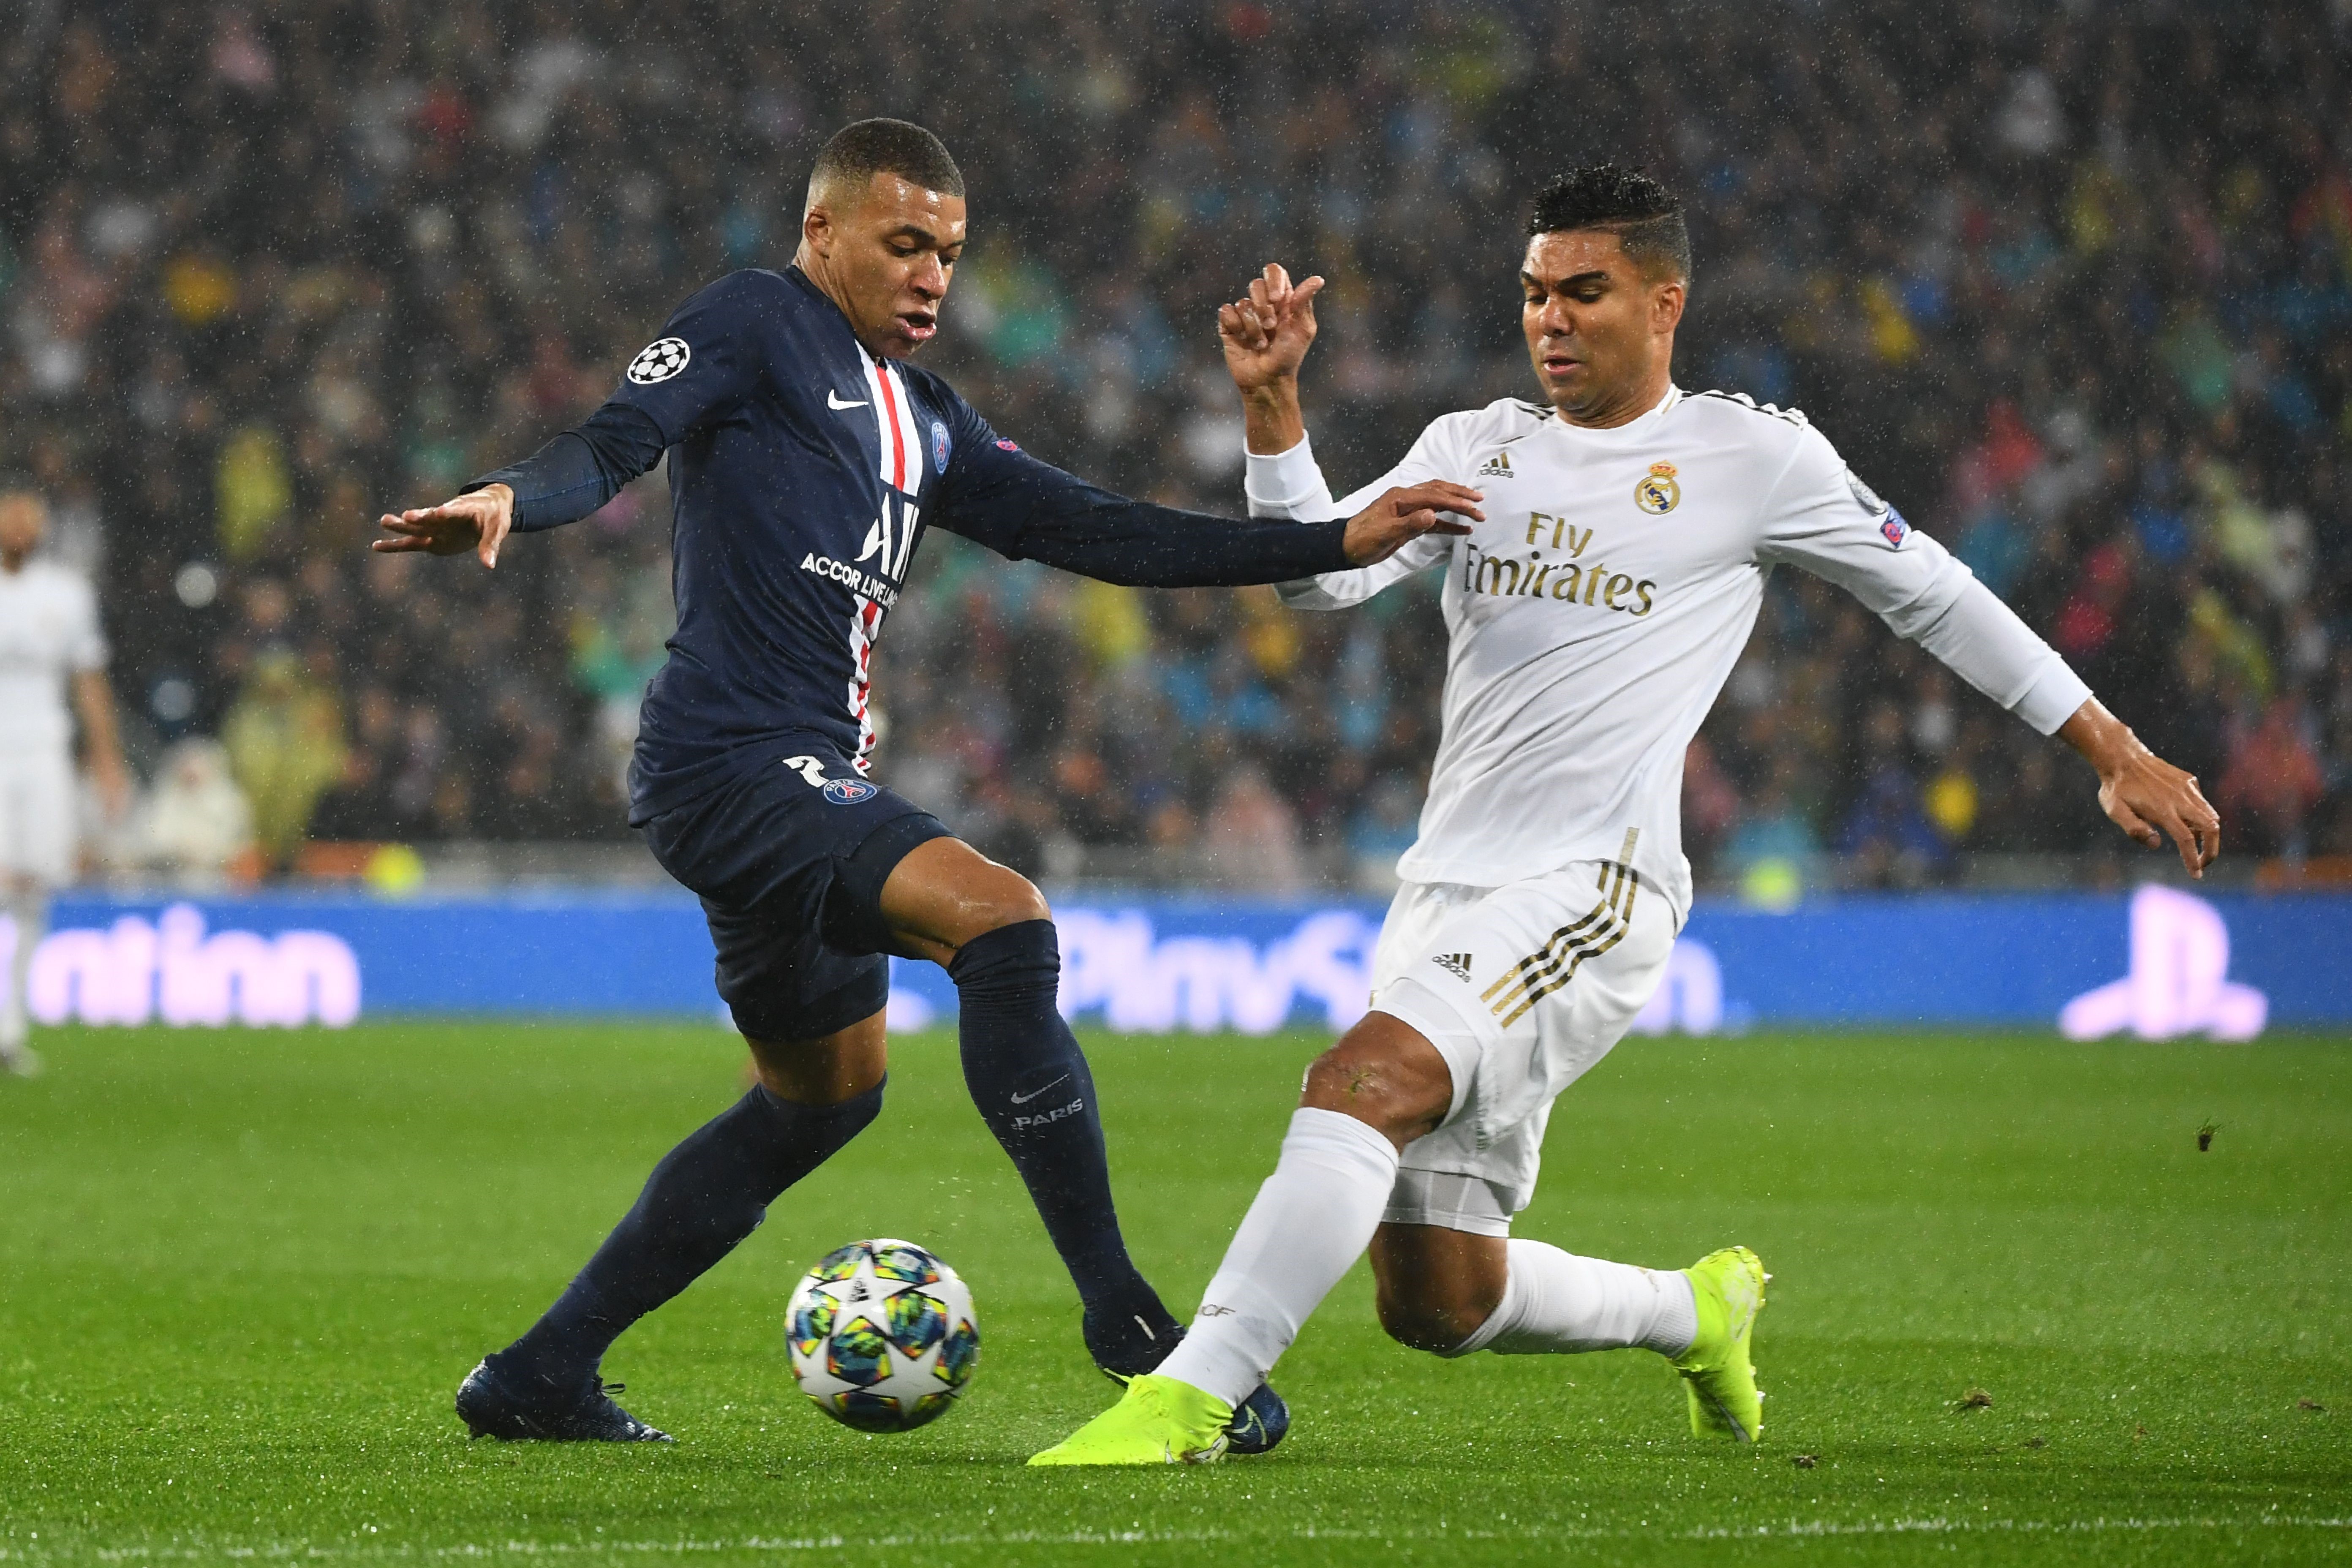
{"x": 1658, "y": 492}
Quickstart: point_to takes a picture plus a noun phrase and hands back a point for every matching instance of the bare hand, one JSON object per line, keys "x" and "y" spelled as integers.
{"x": 1404, "y": 515}
{"x": 477, "y": 521}
{"x": 2141, "y": 793}
{"x": 1265, "y": 334}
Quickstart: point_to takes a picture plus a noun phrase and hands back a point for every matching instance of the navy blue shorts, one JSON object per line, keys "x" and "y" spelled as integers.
{"x": 789, "y": 863}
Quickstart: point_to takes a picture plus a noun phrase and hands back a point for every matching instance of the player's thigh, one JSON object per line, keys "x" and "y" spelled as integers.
{"x": 1436, "y": 1285}
{"x": 1530, "y": 986}
{"x": 38, "y": 830}
{"x": 941, "y": 893}
{"x": 827, "y": 1068}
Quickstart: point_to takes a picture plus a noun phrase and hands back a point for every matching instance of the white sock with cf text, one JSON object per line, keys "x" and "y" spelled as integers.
{"x": 1311, "y": 1221}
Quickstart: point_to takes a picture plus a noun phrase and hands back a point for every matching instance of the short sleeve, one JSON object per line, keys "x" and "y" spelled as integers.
{"x": 710, "y": 357}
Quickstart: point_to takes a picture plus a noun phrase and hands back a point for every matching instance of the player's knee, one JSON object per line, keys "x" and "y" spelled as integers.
{"x": 1378, "y": 1087}
{"x": 1007, "y": 899}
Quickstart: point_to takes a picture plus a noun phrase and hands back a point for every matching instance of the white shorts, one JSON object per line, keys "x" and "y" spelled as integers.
{"x": 38, "y": 830}
{"x": 1522, "y": 989}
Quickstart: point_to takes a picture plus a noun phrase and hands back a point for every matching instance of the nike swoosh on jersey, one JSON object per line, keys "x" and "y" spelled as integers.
{"x": 833, "y": 400}
{"x": 1026, "y": 1099}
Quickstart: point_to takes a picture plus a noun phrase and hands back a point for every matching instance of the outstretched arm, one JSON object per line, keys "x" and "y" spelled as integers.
{"x": 1821, "y": 518}
{"x": 709, "y": 358}
{"x": 1064, "y": 521}
{"x": 995, "y": 494}
{"x": 561, "y": 482}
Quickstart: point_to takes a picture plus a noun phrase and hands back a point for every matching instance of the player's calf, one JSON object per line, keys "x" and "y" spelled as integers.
{"x": 992, "y": 930}
{"x": 1436, "y": 1287}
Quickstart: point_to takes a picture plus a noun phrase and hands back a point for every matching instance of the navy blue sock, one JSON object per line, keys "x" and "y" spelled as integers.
{"x": 705, "y": 1197}
{"x": 1030, "y": 1080}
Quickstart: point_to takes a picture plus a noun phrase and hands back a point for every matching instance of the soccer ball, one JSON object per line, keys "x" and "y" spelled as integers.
{"x": 882, "y": 1336}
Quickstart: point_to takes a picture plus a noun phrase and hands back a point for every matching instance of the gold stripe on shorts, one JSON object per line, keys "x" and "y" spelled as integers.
{"x": 1554, "y": 964}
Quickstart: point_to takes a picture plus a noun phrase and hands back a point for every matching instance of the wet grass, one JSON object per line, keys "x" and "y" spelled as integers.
{"x": 240, "y": 1274}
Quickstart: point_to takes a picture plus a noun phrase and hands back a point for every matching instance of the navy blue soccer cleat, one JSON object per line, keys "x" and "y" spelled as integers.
{"x": 494, "y": 1402}
{"x": 1259, "y": 1422}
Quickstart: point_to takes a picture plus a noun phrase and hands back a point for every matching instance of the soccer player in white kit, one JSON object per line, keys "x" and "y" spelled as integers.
{"x": 49, "y": 640}
{"x": 1624, "y": 530}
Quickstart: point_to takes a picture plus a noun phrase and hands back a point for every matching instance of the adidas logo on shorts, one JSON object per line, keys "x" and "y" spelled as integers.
{"x": 1457, "y": 963}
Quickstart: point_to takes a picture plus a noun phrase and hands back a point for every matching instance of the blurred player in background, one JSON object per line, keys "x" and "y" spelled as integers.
{"x": 806, "y": 459}
{"x": 1594, "y": 614}
{"x": 49, "y": 644}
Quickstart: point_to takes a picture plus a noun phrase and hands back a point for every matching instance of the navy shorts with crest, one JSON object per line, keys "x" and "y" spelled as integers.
{"x": 789, "y": 857}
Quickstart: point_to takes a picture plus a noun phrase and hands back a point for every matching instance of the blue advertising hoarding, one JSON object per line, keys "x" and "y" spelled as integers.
{"x": 2158, "y": 961}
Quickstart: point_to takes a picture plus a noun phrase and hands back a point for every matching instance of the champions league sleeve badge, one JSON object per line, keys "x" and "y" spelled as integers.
{"x": 659, "y": 361}
{"x": 1890, "y": 522}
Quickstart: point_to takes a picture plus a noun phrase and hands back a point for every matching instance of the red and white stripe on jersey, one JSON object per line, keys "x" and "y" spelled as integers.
{"x": 902, "y": 446}
{"x": 902, "y": 469}
{"x": 864, "y": 622}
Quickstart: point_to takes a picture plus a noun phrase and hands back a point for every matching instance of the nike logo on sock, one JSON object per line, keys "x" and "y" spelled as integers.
{"x": 833, "y": 400}
{"x": 1026, "y": 1099}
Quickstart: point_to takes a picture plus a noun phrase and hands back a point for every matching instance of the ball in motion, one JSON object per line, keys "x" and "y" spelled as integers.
{"x": 882, "y": 1336}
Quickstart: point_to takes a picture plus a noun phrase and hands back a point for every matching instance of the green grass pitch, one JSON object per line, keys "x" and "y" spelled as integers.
{"x": 241, "y": 1273}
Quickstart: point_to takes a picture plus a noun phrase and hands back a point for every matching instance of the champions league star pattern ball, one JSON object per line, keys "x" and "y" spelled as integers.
{"x": 882, "y": 1336}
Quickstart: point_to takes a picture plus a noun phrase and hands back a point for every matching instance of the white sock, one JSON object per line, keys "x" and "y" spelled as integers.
{"x": 1311, "y": 1221}
{"x": 29, "y": 912}
{"x": 1557, "y": 1304}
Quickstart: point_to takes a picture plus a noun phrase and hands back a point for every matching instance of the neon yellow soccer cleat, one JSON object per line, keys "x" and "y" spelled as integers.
{"x": 1159, "y": 1421}
{"x": 1715, "y": 1371}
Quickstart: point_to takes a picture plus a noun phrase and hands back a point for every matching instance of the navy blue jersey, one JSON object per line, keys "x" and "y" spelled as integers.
{"x": 803, "y": 473}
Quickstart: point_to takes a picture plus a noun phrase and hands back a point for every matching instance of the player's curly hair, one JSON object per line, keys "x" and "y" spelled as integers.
{"x": 865, "y": 148}
{"x": 1646, "y": 217}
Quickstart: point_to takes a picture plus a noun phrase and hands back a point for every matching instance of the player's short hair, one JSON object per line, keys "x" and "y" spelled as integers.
{"x": 865, "y": 148}
{"x": 1646, "y": 217}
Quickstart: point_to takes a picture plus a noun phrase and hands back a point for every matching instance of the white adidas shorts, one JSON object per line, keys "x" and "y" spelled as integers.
{"x": 38, "y": 830}
{"x": 1522, "y": 989}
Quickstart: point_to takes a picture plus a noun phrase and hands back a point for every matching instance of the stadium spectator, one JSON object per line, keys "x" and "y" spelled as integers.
{"x": 285, "y": 745}
{"x": 196, "y": 826}
{"x": 260, "y": 265}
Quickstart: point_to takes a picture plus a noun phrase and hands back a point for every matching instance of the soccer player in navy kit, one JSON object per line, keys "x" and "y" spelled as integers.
{"x": 806, "y": 459}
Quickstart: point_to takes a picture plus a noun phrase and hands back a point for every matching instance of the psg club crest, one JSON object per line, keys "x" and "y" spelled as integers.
{"x": 848, "y": 791}
{"x": 659, "y": 361}
{"x": 939, "y": 445}
{"x": 1895, "y": 528}
{"x": 1658, "y": 493}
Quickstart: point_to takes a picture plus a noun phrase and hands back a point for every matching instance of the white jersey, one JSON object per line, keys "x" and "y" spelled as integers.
{"x": 49, "y": 631}
{"x": 1599, "y": 609}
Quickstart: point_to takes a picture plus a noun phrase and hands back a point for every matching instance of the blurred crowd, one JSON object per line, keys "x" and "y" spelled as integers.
{"x": 2071, "y": 284}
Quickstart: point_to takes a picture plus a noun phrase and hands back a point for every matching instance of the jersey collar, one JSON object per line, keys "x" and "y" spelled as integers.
{"x": 1626, "y": 435}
